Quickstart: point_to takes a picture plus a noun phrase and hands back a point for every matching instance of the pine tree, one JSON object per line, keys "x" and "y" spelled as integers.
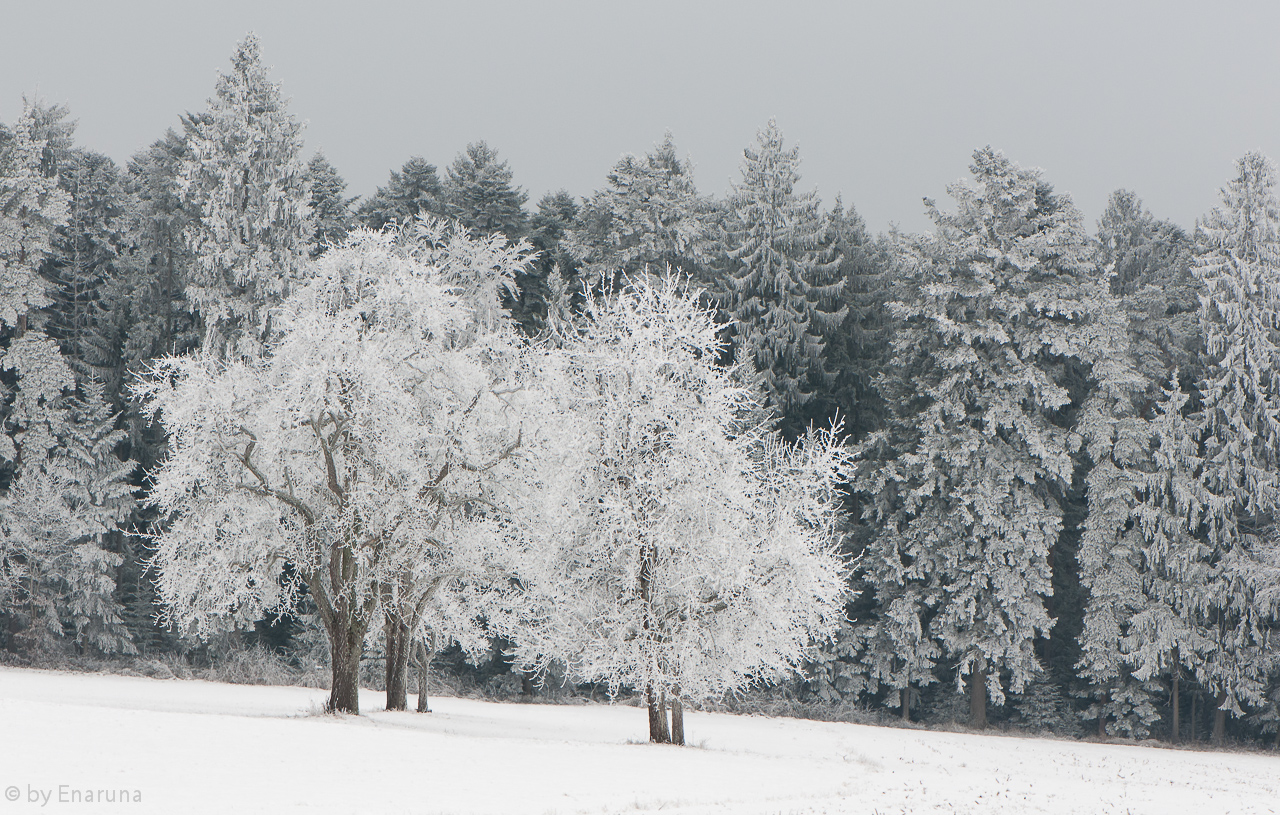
{"x": 1148, "y": 262}
{"x": 551, "y": 267}
{"x": 1238, "y": 259}
{"x": 69, "y": 494}
{"x": 244, "y": 173}
{"x": 968, "y": 508}
{"x": 478, "y": 192}
{"x": 783, "y": 281}
{"x": 32, "y": 207}
{"x": 415, "y": 189}
{"x": 330, "y": 210}
{"x": 650, "y": 217}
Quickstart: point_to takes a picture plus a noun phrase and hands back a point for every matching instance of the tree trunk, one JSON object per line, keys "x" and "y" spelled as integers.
{"x": 658, "y": 732}
{"x": 978, "y": 697}
{"x": 1175, "y": 702}
{"x": 1219, "y": 720}
{"x": 398, "y": 644}
{"x": 904, "y": 701}
{"x": 677, "y": 721}
{"x": 424, "y": 667}
{"x": 346, "y": 647}
{"x": 1195, "y": 697}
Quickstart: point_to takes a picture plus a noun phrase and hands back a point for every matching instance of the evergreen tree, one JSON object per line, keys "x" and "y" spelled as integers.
{"x": 1238, "y": 259}
{"x": 32, "y": 207}
{"x": 967, "y": 500}
{"x": 478, "y": 192}
{"x": 859, "y": 349}
{"x": 551, "y": 267}
{"x": 783, "y": 279}
{"x": 330, "y": 210}
{"x": 1149, "y": 266}
{"x": 69, "y": 494}
{"x": 650, "y": 217}
{"x": 415, "y": 189}
{"x": 244, "y": 174}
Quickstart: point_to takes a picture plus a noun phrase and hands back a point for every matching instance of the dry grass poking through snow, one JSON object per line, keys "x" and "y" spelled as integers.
{"x": 198, "y": 747}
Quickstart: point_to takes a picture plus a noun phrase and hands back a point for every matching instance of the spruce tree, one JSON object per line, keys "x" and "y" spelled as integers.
{"x": 650, "y": 217}
{"x": 244, "y": 174}
{"x": 479, "y": 193}
{"x": 1148, "y": 264}
{"x": 415, "y": 189}
{"x": 783, "y": 282}
{"x": 32, "y": 207}
{"x": 1238, "y": 260}
{"x": 968, "y": 500}
{"x": 330, "y": 210}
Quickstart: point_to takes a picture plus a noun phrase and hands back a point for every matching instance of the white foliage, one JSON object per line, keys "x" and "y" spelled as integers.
{"x": 696, "y": 553}
{"x": 362, "y": 450}
{"x": 31, "y": 207}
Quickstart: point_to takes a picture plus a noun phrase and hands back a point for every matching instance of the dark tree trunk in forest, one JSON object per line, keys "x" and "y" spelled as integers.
{"x": 978, "y": 697}
{"x": 346, "y": 646}
{"x": 1195, "y": 698}
{"x": 398, "y": 645}
{"x": 424, "y": 668}
{"x": 658, "y": 731}
{"x": 677, "y": 721}
{"x": 1175, "y": 702}
{"x": 1219, "y": 720}
{"x": 904, "y": 702}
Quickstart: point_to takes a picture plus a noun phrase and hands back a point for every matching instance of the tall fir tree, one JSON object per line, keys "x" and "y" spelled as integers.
{"x": 782, "y": 282}
{"x": 415, "y": 189}
{"x": 1238, "y": 260}
{"x": 330, "y": 209}
{"x": 648, "y": 218}
{"x": 968, "y": 497}
{"x": 32, "y": 207}
{"x": 1148, "y": 264}
{"x": 244, "y": 174}
{"x": 479, "y": 193}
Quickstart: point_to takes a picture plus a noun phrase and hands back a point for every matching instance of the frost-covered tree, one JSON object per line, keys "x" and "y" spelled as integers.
{"x": 244, "y": 174}
{"x": 69, "y": 494}
{"x": 330, "y": 209}
{"x": 697, "y": 553}
{"x": 1141, "y": 563}
{"x": 1148, "y": 264}
{"x": 32, "y": 207}
{"x": 649, "y": 217}
{"x": 479, "y": 193}
{"x": 364, "y": 451}
{"x": 415, "y": 190}
{"x": 966, "y": 480}
{"x": 783, "y": 284}
{"x": 1238, "y": 259}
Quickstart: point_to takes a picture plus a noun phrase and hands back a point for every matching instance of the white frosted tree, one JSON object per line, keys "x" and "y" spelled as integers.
{"x": 1238, "y": 260}
{"x": 365, "y": 450}
{"x": 244, "y": 174}
{"x": 966, "y": 500}
{"x": 650, "y": 217}
{"x": 1142, "y": 563}
{"x": 697, "y": 554}
{"x": 68, "y": 495}
{"x": 32, "y": 207}
{"x": 783, "y": 284}
{"x": 68, "y": 490}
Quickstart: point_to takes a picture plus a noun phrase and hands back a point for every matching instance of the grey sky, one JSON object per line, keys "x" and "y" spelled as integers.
{"x": 886, "y": 100}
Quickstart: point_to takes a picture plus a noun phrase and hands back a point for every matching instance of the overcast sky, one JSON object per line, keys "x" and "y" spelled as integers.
{"x": 886, "y": 100}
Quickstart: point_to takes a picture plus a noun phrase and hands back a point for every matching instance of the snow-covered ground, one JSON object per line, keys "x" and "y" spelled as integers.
{"x": 189, "y": 747}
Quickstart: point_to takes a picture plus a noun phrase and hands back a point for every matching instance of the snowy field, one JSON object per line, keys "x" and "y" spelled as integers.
{"x": 199, "y": 747}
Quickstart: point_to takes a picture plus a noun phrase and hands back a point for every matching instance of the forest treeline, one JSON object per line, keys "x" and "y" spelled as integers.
{"x": 1067, "y": 440}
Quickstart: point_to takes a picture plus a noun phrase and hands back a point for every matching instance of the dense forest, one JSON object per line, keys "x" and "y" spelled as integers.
{"x": 1062, "y": 443}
